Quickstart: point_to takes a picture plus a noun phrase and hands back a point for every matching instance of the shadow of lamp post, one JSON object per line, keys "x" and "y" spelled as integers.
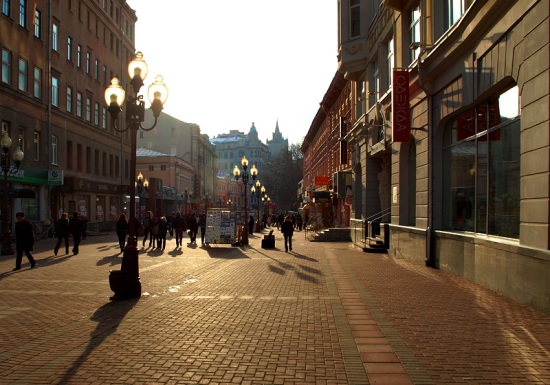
{"x": 125, "y": 282}
{"x": 7, "y": 248}
{"x": 245, "y": 177}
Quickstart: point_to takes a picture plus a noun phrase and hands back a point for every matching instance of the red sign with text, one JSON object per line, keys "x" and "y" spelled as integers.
{"x": 322, "y": 180}
{"x": 400, "y": 107}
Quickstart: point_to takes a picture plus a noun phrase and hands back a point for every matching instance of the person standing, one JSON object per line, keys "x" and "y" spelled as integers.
{"x": 179, "y": 224}
{"x": 24, "y": 240}
{"x": 287, "y": 228}
{"x": 192, "y": 227}
{"x": 62, "y": 232}
{"x": 161, "y": 235}
{"x": 251, "y": 225}
{"x": 122, "y": 230}
{"x": 147, "y": 228}
{"x": 202, "y": 225}
{"x": 77, "y": 230}
{"x": 170, "y": 220}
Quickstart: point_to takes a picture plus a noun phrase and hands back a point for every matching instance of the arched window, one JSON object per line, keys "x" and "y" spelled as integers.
{"x": 481, "y": 163}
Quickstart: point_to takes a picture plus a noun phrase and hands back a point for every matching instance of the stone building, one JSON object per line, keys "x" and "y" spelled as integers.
{"x": 57, "y": 60}
{"x": 277, "y": 143}
{"x": 450, "y": 132}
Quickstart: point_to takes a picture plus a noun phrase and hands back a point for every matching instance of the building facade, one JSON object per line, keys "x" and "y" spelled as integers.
{"x": 277, "y": 143}
{"x": 450, "y": 134}
{"x": 327, "y": 159}
{"x": 57, "y": 60}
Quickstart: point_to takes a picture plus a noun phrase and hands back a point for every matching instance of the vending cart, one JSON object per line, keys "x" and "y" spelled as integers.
{"x": 220, "y": 227}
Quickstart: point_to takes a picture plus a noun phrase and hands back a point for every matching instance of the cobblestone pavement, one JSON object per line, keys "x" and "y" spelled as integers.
{"x": 325, "y": 313}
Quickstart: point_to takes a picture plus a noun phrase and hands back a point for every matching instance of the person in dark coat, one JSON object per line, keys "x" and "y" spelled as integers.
{"x": 179, "y": 224}
{"x": 122, "y": 230}
{"x": 161, "y": 233}
{"x": 193, "y": 228}
{"x": 287, "y": 228}
{"x": 77, "y": 230}
{"x": 202, "y": 225}
{"x": 24, "y": 240}
{"x": 148, "y": 228}
{"x": 62, "y": 232}
{"x": 251, "y": 225}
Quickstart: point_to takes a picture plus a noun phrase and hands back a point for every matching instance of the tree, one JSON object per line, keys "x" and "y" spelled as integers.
{"x": 283, "y": 173}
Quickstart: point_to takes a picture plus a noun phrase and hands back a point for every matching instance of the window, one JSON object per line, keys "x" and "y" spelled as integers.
{"x": 54, "y": 150}
{"x": 162, "y": 167}
{"x": 454, "y": 11}
{"x": 78, "y": 56}
{"x": 354, "y": 19}
{"x": 37, "y": 83}
{"x": 96, "y": 162}
{"x": 6, "y": 66}
{"x": 37, "y": 24}
{"x": 69, "y": 163}
{"x": 88, "y": 160}
{"x": 88, "y": 109}
{"x": 96, "y": 69}
{"x": 69, "y": 99}
{"x": 104, "y": 169}
{"x": 88, "y": 63}
{"x": 96, "y": 114}
{"x": 55, "y": 37}
{"x": 23, "y": 75}
{"x": 6, "y": 7}
{"x": 482, "y": 168}
{"x": 22, "y": 138}
{"x": 111, "y": 165}
{"x": 414, "y": 32}
{"x": 69, "y": 48}
{"x": 79, "y": 104}
{"x": 104, "y": 118}
{"x": 23, "y": 13}
{"x": 79, "y": 154}
{"x": 55, "y": 91}
{"x": 36, "y": 146}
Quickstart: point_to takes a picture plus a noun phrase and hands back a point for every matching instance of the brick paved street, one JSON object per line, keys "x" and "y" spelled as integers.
{"x": 324, "y": 314}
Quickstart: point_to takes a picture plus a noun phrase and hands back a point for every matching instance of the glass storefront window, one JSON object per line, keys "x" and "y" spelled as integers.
{"x": 482, "y": 168}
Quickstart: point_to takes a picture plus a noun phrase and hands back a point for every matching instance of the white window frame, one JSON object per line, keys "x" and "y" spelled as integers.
{"x": 23, "y": 75}
{"x": 55, "y": 91}
{"x": 55, "y": 149}
{"x": 37, "y": 88}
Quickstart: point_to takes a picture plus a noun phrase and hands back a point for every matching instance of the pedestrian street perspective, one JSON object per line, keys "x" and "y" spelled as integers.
{"x": 323, "y": 313}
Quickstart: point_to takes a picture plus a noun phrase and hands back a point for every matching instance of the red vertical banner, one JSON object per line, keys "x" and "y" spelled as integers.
{"x": 401, "y": 130}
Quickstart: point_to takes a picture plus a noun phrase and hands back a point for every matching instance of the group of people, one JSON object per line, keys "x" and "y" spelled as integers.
{"x": 156, "y": 229}
{"x": 64, "y": 227}
{"x": 278, "y": 220}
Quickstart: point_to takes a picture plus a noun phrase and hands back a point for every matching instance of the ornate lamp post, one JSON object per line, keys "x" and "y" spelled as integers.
{"x": 257, "y": 190}
{"x": 245, "y": 177}
{"x": 7, "y": 248}
{"x": 125, "y": 282}
{"x": 141, "y": 185}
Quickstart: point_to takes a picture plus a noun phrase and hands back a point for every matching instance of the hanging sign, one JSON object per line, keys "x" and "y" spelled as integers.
{"x": 400, "y": 107}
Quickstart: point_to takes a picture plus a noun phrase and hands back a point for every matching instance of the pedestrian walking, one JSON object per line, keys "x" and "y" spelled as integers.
{"x": 24, "y": 240}
{"x": 287, "y": 228}
{"x": 161, "y": 233}
{"x": 122, "y": 230}
{"x": 147, "y": 228}
{"x": 178, "y": 224}
{"x": 62, "y": 232}
{"x": 192, "y": 228}
{"x": 202, "y": 226}
{"x": 77, "y": 230}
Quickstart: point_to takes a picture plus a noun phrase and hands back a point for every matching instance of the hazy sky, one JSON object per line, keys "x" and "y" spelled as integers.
{"x": 230, "y": 63}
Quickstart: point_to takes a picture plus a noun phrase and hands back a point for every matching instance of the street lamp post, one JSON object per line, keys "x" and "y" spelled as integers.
{"x": 125, "y": 282}
{"x": 245, "y": 177}
{"x": 257, "y": 190}
{"x": 7, "y": 248}
{"x": 141, "y": 185}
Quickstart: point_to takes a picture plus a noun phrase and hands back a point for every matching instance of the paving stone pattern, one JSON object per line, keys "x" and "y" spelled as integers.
{"x": 325, "y": 313}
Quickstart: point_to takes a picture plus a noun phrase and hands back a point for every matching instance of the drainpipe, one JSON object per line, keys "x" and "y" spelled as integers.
{"x": 430, "y": 259}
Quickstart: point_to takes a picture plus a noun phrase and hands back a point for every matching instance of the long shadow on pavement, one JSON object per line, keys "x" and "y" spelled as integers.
{"x": 108, "y": 318}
